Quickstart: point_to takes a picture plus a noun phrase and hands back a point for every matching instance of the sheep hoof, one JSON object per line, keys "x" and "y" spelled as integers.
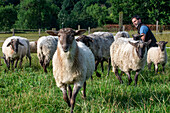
{"x": 83, "y": 97}
{"x": 130, "y": 81}
{"x": 121, "y": 82}
{"x": 98, "y": 74}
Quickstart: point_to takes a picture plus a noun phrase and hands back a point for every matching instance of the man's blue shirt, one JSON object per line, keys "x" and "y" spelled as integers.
{"x": 143, "y": 29}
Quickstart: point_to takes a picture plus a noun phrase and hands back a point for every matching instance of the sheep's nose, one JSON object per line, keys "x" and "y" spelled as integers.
{"x": 65, "y": 48}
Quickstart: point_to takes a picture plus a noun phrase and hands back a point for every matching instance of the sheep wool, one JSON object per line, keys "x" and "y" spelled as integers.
{"x": 69, "y": 68}
{"x": 124, "y": 56}
{"x": 46, "y": 47}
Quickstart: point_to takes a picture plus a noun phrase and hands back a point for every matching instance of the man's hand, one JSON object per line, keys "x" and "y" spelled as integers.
{"x": 143, "y": 37}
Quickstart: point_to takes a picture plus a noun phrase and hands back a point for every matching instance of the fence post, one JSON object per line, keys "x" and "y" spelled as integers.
{"x": 156, "y": 26}
{"x": 88, "y": 30}
{"x": 123, "y": 28}
{"x": 53, "y": 29}
{"x": 78, "y": 27}
{"x": 0, "y": 62}
{"x": 120, "y": 21}
{"x": 39, "y": 31}
{"x": 13, "y": 32}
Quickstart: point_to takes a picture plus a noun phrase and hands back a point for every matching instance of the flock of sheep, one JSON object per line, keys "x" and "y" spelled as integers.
{"x": 74, "y": 59}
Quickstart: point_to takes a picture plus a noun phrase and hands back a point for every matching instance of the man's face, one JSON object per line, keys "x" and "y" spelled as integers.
{"x": 136, "y": 22}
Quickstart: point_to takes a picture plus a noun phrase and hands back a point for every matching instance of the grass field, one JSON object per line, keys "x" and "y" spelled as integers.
{"x": 30, "y": 90}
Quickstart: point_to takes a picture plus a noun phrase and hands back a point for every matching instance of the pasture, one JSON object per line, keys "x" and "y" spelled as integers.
{"x": 31, "y": 90}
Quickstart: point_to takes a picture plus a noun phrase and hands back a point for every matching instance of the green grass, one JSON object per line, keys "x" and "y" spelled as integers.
{"x": 30, "y": 90}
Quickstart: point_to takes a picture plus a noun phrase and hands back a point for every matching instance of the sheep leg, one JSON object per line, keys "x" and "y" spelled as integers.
{"x": 12, "y": 64}
{"x": 97, "y": 73}
{"x": 102, "y": 65}
{"x": 4, "y": 57}
{"x": 45, "y": 68}
{"x": 73, "y": 98}
{"x": 84, "y": 90}
{"x": 20, "y": 64}
{"x": 65, "y": 97}
{"x": 136, "y": 78}
{"x": 149, "y": 66}
{"x": 156, "y": 68}
{"x": 109, "y": 66}
{"x": 29, "y": 56}
{"x": 129, "y": 78}
{"x": 30, "y": 60}
{"x": 163, "y": 68}
{"x": 69, "y": 91}
{"x": 121, "y": 73}
{"x": 8, "y": 63}
{"x": 16, "y": 62}
{"x": 117, "y": 75}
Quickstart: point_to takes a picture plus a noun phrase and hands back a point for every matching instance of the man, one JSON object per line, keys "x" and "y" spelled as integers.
{"x": 144, "y": 30}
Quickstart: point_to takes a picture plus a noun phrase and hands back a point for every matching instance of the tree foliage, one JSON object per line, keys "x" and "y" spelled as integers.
{"x": 7, "y": 17}
{"x": 34, "y": 14}
{"x": 46, "y": 14}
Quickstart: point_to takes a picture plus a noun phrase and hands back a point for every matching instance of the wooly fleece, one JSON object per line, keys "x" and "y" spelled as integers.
{"x": 124, "y": 56}
{"x": 22, "y": 50}
{"x": 157, "y": 56}
{"x": 74, "y": 66}
{"x": 46, "y": 47}
{"x": 101, "y": 44}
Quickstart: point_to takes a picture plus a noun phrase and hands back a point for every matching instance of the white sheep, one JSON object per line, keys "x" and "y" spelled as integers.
{"x": 99, "y": 43}
{"x": 46, "y": 47}
{"x": 33, "y": 46}
{"x": 15, "y": 48}
{"x": 121, "y": 34}
{"x": 73, "y": 63}
{"x": 157, "y": 55}
{"x": 126, "y": 55}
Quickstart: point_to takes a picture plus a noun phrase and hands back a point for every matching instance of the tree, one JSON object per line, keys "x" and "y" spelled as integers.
{"x": 8, "y": 2}
{"x": 158, "y": 10}
{"x": 34, "y": 14}
{"x": 98, "y": 13}
{"x": 8, "y": 16}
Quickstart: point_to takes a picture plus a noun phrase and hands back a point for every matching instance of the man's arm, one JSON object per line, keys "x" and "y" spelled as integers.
{"x": 143, "y": 37}
{"x": 143, "y": 31}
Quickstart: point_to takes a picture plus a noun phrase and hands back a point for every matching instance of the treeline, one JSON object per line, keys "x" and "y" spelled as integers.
{"x": 47, "y": 14}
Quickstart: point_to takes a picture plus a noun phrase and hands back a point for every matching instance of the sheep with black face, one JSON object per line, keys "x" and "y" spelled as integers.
{"x": 157, "y": 55}
{"x": 127, "y": 55}
{"x": 15, "y": 48}
{"x": 99, "y": 43}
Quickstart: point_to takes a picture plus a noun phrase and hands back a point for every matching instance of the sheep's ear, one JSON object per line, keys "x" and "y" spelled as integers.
{"x": 20, "y": 42}
{"x": 166, "y": 42}
{"x": 140, "y": 36}
{"x": 136, "y": 37}
{"x": 80, "y": 32}
{"x": 9, "y": 44}
{"x": 133, "y": 44}
{"x": 148, "y": 42}
{"x": 53, "y": 33}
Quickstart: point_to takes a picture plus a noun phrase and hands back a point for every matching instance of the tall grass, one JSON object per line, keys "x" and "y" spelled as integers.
{"x": 29, "y": 89}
